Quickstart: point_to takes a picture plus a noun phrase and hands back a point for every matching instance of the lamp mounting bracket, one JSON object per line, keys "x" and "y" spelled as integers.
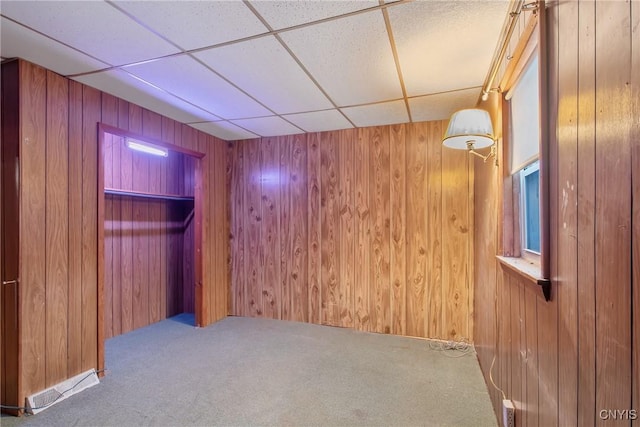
{"x": 492, "y": 153}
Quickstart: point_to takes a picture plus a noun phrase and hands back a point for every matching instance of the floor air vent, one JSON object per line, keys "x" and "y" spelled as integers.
{"x": 40, "y": 401}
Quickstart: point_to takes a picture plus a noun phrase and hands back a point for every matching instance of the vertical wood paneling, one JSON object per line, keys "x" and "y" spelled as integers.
{"x": 531, "y": 357}
{"x": 398, "y": 230}
{"x": 110, "y": 153}
{"x": 361, "y": 289}
{"x": 313, "y": 162}
{"x": 586, "y": 215}
{"x": 285, "y": 186}
{"x": 299, "y": 291}
{"x": 237, "y": 228}
{"x": 57, "y": 228}
{"x": 347, "y": 236}
{"x": 63, "y": 320}
{"x": 220, "y": 262}
{"x": 330, "y": 230}
{"x": 442, "y": 223}
{"x": 515, "y": 323}
{"x": 140, "y": 241}
{"x": 567, "y": 17}
{"x": 379, "y": 195}
{"x": 270, "y": 231}
{"x": 613, "y": 207}
{"x": 152, "y": 127}
{"x": 74, "y": 328}
{"x": 33, "y": 102}
{"x": 91, "y": 115}
{"x": 455, "y": 245}
{"x": 417, "y": 244}
{"x": 208, "y": 241}
{"x": 635, "y": 174}
{"x": 253, "y": 209}
{"x": 344, "y": 231}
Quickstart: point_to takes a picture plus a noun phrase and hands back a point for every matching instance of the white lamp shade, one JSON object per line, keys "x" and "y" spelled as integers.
{"x": 469, "y": 126}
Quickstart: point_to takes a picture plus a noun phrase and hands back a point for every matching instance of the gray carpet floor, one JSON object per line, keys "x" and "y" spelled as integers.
{"x": 243, "y": 371}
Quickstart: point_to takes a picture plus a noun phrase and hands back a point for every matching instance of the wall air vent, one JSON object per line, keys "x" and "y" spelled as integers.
{"x": 40, "y": 401}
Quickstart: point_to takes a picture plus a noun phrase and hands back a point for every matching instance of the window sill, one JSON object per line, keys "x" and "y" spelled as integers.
{"x": 528, "y": 270}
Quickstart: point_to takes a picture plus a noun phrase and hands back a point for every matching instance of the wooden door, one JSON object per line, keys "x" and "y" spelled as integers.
{"x": 9, "y": 235}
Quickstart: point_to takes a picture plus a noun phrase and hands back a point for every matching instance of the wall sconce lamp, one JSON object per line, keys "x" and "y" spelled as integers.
{"x": 470, "y": 130}
{"x": 147, "y": 148}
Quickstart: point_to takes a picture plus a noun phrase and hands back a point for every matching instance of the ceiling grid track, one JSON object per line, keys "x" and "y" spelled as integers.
{"x": 251, "y": 69}
{"x": 394, "y": 50}
{"x": 295, "y": 58}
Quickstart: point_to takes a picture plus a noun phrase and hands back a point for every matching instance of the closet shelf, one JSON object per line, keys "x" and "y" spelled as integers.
{"x": 146, "y": 195}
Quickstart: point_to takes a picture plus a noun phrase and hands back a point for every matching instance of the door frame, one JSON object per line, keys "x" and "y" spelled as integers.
{"x": 201, "y": 304}
{"x": 10, "y": 355}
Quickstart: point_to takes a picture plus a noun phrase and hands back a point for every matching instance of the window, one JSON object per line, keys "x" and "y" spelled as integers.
{"x": 525, "y": 242}
{"x": 523, "y": 101}
{"x": 530, "y": 208}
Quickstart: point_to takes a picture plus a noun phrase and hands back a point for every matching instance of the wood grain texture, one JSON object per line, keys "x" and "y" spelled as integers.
{"x": 455, "y": 245}
{"x": 57, "y": 228}
{"x": 10, "y": 356}
{"x": 531, "y": 391}
{"x": 635, "y": 238}
{"x": 613, "y": 205}
{"x": 65, "y": 318}
{"x": 585, "y": 335}
{"x": 32, "y": 225}
{"x": 443, "y": 224}
{"x": 299, "y": 228}
{"x": 379, "y": 196}
{"x": 91, "y": 108}
{"x": 344, "y": 231}
{"x": 74, "y": 327}
{"x": 417, "y": 244}
{"x": 346, "y": 209}
{"x": 220, "y": 258}
{"x": 330, "y": 229}
{"x": 285, "y": 252}
{"x": 586, "y": 215}
{"x": 361, "y": 291}
{"x": 314, "y": 202}
{"x": 567, "y": 260}
{"x": 398, "y": 229}
{"x": 237, "y": 217}
{"x": 270, "y": 227}
{"x": 253, "y": 211}
{"x": 152, "y": 127}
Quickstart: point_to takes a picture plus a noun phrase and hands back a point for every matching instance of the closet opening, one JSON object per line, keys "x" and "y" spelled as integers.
{"x": 149, "y": 233}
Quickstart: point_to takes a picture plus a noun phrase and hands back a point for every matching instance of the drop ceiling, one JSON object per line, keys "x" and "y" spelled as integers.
{"x": 244, "y": 69}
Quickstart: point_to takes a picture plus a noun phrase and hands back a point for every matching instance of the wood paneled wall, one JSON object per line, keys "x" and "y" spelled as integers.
{"x": 58, "y": 208}
{"x": 564, "y": 361}
{"x": 369, "y": 228}
{"x": 149, "y": 243}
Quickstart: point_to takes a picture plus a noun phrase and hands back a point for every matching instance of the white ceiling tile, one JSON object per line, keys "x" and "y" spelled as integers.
{"x": 440, "y": 106}
{"x": 385, "y": 113}
{"x": 264, "y": 69}
{"x": 224, "y": 130}
{"x": 17, "y": 41}
{"x": 187, "y": 78}
{"x": 350, "y": 58}
{"x": 127, "y": 87}
{"x": 268, "y": 126}
{"x": 287, "y": 13}
{"x": 195, "y": 24}
{"x": 93, "y": 27}
{"x": 319, "y": 121}
{"x": 446, "y": 45}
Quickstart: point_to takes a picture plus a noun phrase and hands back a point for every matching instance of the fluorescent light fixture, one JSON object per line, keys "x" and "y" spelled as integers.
{"x": 147, "y": 148}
